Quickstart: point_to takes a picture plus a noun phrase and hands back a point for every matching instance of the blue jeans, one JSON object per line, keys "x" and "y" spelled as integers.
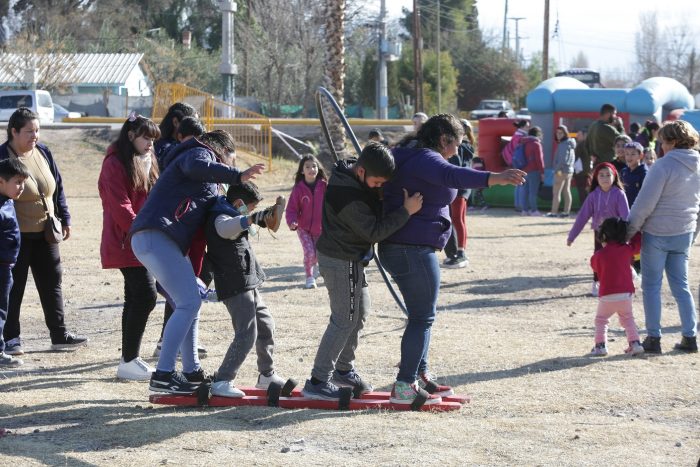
{"x": 5, "y": 287}
{"x": 519, "y": 196}
{"x": 668, "y": 254}
{"x": 173, "y": 271}
{"x": 416, "y": 271}
{"x": 532, "y": 186}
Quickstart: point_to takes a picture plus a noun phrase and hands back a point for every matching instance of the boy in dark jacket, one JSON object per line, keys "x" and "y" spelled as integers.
{"x": 352, "y": 223}
{"x": 12, "y": 177}
{"x": 237, "y": 275}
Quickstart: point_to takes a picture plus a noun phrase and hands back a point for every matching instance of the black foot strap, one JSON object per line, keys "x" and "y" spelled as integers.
{"x": 288, "y": 387}
{"x": 345, "y": 397}
{"x": 273, "y": 395}
{"x": 418, "y": 401}
{"x": 430, "y": 387}
{"x": 203, "y": 393}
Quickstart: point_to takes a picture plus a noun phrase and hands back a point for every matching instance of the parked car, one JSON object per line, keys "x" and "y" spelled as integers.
{"x": 60, "y": 112}
{"x": 37, "y": 100}
{"x": 491, "y": 108}
{"x": 523, "y": 114}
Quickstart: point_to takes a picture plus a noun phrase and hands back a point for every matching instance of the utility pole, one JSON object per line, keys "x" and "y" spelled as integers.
{"x": 517, "y": 37}
{"x": 382, "y": 92}
{"x": 227, "y": 68}
{"x": 505, "y": 28}
{"x": 545, "y": 42}
{"x": 437, "y": 44}
{"x": 417, "y": 59}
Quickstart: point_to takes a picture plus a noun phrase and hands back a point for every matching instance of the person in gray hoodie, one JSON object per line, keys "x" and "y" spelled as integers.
{"x": 563, "y": 167}
{"x": 666, "y": 212}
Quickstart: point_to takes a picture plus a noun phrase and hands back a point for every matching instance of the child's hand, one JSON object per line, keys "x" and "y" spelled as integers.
{"x": 412, "y": 203}
{"x": 293, "y": 226}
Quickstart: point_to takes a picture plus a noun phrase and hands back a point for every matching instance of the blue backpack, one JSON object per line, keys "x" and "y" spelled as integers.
{"x": 519, "y": 158}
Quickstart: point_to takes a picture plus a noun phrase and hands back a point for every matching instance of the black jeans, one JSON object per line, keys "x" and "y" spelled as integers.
{"x": 139, "y": 300}
{"x": 45, "y": 261}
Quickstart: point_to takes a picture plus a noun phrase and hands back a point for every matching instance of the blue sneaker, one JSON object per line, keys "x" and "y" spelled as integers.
{"x": 324, "y": 391}
{"x": 352, "y": 380}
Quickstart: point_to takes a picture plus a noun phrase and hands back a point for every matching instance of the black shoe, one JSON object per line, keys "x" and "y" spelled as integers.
{"x": 458, "y": 261}
{"x": 196, "y": 376}
{"x": 687, "y": 344}
{"x": 652, "y": 344}
{"x": 69, "y": 341}
{"x": 352, "y": 380}
{"x": 172, "y": 382}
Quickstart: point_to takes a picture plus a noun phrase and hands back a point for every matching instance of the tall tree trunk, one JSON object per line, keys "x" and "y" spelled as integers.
{"x": 334, "y": 77}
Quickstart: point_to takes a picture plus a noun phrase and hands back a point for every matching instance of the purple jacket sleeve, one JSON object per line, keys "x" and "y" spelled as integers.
{"x": 585, "y": 213}
{"x": 440, "y": 172}
{"x": 201, "y": 167}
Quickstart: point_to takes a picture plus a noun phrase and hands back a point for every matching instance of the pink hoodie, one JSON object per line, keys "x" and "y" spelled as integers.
{"x": 306, "y": 208}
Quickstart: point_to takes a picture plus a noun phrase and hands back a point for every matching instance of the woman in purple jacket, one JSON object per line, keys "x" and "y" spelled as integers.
{"x": 410, "y": 256}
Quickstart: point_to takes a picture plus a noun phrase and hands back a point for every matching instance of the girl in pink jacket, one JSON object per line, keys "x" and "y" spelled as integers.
{"x": 304, "y": 211}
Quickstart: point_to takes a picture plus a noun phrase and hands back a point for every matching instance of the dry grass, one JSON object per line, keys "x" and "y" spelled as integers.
{"x": 512, "y": 331}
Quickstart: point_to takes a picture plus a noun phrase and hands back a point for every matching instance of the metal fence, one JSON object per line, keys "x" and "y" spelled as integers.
{"x": 251, "y": 131}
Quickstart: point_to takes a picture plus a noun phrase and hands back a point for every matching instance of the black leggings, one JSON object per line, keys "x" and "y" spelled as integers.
{"x": 44, "y": 259}
{"x": 139, "y": 300}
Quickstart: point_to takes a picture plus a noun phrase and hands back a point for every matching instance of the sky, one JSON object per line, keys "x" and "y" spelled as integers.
{"x": 604, "y": 30}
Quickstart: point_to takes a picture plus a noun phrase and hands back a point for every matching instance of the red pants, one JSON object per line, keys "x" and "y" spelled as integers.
{"x": 458, "y": 216}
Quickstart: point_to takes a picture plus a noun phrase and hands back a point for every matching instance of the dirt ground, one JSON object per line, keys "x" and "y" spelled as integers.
{"x": 513, "y": 331}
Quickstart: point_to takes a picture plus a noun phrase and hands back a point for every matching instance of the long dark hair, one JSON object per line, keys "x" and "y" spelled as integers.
{"x": 616, "y": 177}
{"x": 178, "y": 110}
{"x": 221, "y": 142}
{"x": 137, "y": 126}
{"x": 299, "y": 175}
{"x": 437, "y": 126}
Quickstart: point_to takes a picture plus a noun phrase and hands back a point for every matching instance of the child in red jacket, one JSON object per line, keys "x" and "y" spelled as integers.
{"x": 612, "y": 264}
{"x": 304, "y": 211}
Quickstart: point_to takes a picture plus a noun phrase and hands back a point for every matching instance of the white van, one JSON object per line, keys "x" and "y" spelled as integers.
{"x": 37, "y": 100}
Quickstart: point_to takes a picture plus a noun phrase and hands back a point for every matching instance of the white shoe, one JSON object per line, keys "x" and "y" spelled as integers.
{"x": 310, "y": 283}
{"x": 9, "y": 361}
{"x": 135, "y": 370}
{"x": 225, "y": 389}
{"x": 634, "y": 349}
{"x": 265, "y": 381}
{"x": 594, "y": 289}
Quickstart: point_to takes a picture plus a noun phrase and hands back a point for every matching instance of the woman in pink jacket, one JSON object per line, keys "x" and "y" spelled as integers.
{"x": 129, "y": 171}
{"x": 304, "y": 211}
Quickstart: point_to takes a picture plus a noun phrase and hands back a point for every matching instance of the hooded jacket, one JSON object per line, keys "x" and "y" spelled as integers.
{"x": 668, "y": 201}
{"x": 427, "y": 172}
{"x": 533, "y": 153}
{"x": 120, "y": 204}
{"x": 352, "y": 216}
{"x": 306, "y": 207}
{"x": 565, "y": 155}
{"x": 9, "y": 232}
{"x": 179, "y": 202}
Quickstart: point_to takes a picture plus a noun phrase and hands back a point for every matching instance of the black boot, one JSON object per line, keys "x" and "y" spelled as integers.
{"x": 652, "y": 344}
{"x": 687, "y": 344}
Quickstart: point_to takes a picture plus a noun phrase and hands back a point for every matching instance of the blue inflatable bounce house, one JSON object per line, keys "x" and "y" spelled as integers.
{"x": 567, "y": 101}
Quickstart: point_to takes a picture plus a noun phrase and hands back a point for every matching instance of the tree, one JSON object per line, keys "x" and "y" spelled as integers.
{"x": 580, "y": 61}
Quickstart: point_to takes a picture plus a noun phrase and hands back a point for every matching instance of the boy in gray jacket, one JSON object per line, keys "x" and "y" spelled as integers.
{"x": 352, "y": 223}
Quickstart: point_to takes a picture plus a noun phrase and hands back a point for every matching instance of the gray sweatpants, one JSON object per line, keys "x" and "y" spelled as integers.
{"x": 252, "y": 324}
{"x": 338, "y": 344}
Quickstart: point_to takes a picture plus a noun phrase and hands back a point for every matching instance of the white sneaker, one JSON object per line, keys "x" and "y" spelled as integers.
{"x": 310, "y": 283}
{"x": 225, "y": 389}
{"x": 594, "y": 289}
{"x": 634, "y": 349}
{"x": 9, "y": 361}
{"x": 135, "y": 370}
{"x": 265, "y": 381}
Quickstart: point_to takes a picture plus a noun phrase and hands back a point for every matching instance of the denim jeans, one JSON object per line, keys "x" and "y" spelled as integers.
{"x": 668, "y": 254}
{"x": 532, "y": 186}
{"x": 416, "y": 271}
{"x": 5, "y": 287}
{"x": 519, "y": 196}
{"x": 173, "y": 271}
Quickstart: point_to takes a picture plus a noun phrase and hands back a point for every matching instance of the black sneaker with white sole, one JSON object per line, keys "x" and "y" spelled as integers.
{"x": 69, "y": 341}
{"x": 172, "y": 382}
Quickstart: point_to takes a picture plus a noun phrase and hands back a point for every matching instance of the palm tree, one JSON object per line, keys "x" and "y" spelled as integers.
{"x": 334, "y": 73}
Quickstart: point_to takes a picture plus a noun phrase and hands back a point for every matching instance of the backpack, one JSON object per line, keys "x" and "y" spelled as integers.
{"x": 519, "y": 158}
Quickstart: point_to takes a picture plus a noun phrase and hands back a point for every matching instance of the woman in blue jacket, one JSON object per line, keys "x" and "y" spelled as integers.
{"x": 410, "y": 256}
{"x": 161, "y": 236}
